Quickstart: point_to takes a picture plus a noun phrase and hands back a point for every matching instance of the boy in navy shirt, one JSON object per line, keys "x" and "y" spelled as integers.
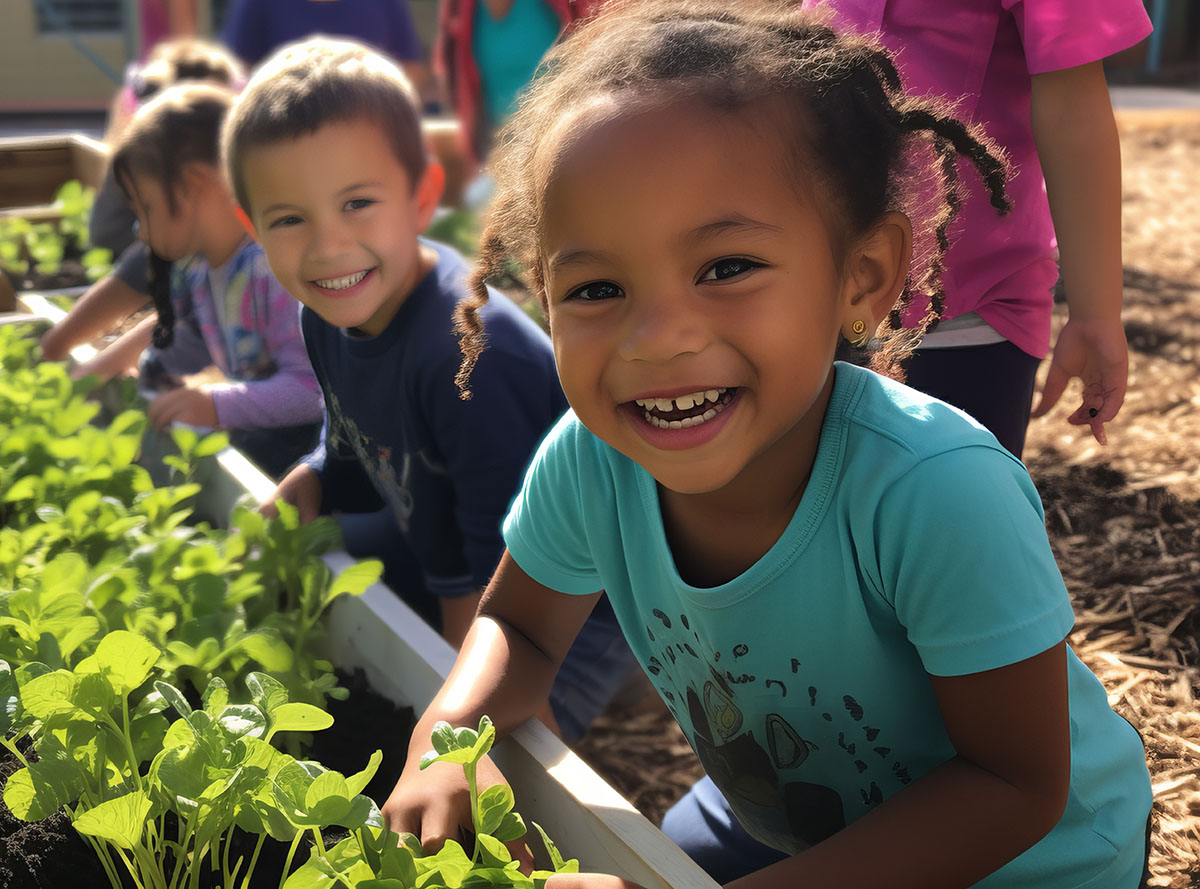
{"x": 325, "y": 152}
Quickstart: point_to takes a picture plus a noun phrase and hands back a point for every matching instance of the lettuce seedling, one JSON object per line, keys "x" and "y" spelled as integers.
{"x": 374, "y": 858}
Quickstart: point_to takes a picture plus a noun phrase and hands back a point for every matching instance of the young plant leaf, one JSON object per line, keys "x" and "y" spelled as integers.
{"x": 569, "y": 866}
{"x": 174, "y": 697}
{"x": 356, "y": 782}
{"x": 45, "y": 786}
{"x": 121, "y": 821}
{"x": 10, "y": 699}
{"x": 299, "y": 717}
{"x": 494, "y": 803}
{"x": 125, "y": 657}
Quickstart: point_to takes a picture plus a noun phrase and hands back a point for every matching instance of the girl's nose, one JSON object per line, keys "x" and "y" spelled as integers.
{"x": 661, "y": 327}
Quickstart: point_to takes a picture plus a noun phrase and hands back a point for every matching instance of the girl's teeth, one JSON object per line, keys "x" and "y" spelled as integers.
{"x": 342, "y": 283}
{"x": 686, "y": 422}
{"x": 682, "y": 402}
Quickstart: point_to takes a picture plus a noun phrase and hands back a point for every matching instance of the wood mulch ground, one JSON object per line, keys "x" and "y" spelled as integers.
{"x": 1124, "y": 520}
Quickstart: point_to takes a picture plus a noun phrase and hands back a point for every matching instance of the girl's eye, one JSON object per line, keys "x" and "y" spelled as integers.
{"x": 729, "y": 268}
{"x": 284, "y": 221}
{"x": 595, "y": 292}
{"x": 359, "y": 203}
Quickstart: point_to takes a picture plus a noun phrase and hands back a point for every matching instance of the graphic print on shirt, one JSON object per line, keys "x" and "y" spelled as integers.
{"x": 755, "y": 734}
{"x": 249, "y": 357}
{"x": 376, "y": 459}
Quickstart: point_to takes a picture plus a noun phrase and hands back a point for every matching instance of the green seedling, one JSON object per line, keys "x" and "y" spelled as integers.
{"x": 375, "y": 858}
{"x": 46, "y": 244}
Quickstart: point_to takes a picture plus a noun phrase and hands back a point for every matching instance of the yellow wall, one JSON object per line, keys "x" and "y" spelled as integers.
{"x": 45, "y": 71}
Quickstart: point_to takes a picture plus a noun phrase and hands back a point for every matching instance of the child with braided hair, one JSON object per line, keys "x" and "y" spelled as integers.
{"x": 841, "y": 588}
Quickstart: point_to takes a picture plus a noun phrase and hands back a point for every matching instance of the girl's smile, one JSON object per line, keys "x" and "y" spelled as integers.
{"x": 683, "y": 421}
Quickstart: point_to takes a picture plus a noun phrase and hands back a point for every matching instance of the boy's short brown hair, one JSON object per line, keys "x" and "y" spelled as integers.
{"x": 306, "y": 85}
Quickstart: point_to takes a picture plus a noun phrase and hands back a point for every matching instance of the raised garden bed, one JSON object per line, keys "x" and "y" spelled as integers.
{"x": 46, "y": 189}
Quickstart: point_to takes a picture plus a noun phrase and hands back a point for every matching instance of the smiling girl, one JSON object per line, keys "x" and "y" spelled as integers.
{"x": 221, "y": 304}
{"x": 842, "y": 589}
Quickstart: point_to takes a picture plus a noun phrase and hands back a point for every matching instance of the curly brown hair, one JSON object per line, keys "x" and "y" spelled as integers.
{"x": 872, "y": 146}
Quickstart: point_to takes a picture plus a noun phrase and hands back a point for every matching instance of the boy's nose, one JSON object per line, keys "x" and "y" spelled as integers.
{"x": 661, "y": 327}
{"x": 329, "y": 240}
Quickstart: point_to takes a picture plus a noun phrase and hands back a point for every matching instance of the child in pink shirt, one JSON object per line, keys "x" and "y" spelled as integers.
{"x": 1031, "y": 74}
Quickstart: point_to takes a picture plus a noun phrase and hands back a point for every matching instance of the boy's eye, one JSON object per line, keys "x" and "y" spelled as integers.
{"x": 595, "y": 292}
{"x": 283, "y": 221}
{"x": 358, "y": 203}
{"x": 729, "y": 268}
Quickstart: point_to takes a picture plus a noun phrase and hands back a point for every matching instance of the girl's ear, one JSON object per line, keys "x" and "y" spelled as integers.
{"x": 196, "y": 175}
{"x": 429, "y": 192}
{"x": 876, "y": 273}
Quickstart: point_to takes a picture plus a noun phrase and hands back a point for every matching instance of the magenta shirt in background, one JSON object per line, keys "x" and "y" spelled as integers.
{"x": 981, "y": 54}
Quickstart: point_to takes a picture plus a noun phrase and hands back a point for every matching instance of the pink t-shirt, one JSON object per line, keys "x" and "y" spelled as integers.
{"x": 981, "y": 53}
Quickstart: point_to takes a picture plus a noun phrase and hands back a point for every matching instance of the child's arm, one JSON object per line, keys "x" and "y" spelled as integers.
{"x": 505, "y": 669}
{"x": 960, "y": 822}
{"x": 302, "y": 488}
{"x": 1080, "y": 154}
{"x": 102, "y": 306}
{"x": 122, "y": 355}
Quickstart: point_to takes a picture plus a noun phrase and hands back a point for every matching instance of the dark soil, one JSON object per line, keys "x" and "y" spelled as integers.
{"x": 50, "y": 854}
{"x": 70, "y": 274}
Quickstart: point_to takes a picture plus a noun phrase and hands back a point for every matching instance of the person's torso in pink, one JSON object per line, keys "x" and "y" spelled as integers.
{"x": 980, "y": 55}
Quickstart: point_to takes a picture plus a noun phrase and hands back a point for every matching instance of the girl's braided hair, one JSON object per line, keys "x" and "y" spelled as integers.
{"x": 870, "y": 144}
{"x": 179, "y": 127}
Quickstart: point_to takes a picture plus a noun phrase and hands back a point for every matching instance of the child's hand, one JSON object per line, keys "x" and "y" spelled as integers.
{"x": 192, "y": 406}
{"x": 589, "y": 881}
{"x": 1095, "y": 351}
{"x": 433, "y": 804}
{"x": 302, "y": 488}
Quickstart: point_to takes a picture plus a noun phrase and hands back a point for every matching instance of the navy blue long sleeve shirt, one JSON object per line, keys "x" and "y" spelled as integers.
{"x": 397, "y": 433}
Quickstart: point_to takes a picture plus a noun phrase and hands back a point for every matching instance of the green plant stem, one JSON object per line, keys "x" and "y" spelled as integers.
{"x": 319, "y": 840}
{"x": 12, "y": 748}
{"x": 151, "y": 867}
{"x": 469, "y": 771}
{"x": 287, "y": 864}
{"x": 253, "y": 860}
{"x": 226, "y": 879}
{"x": 133, "y": 871}
{"x": 105, "y": 859}
{"x": 185, "y": 837}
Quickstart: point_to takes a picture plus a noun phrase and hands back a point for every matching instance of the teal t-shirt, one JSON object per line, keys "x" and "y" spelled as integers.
{"x": 918, "y": 548}
{"x": 507, "y": 51}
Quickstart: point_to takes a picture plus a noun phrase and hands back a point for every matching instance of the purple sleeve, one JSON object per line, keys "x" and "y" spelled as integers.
{"x": 1068, "y": 33}
{"x": 291, "y": 395}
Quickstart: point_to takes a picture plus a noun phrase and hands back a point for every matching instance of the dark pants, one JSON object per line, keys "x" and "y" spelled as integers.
{"x": 993, "y": 383}
{"x": 275, "y": 451}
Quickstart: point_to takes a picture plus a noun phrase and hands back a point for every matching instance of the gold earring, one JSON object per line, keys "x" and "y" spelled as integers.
{"x": 859, "y": 328}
